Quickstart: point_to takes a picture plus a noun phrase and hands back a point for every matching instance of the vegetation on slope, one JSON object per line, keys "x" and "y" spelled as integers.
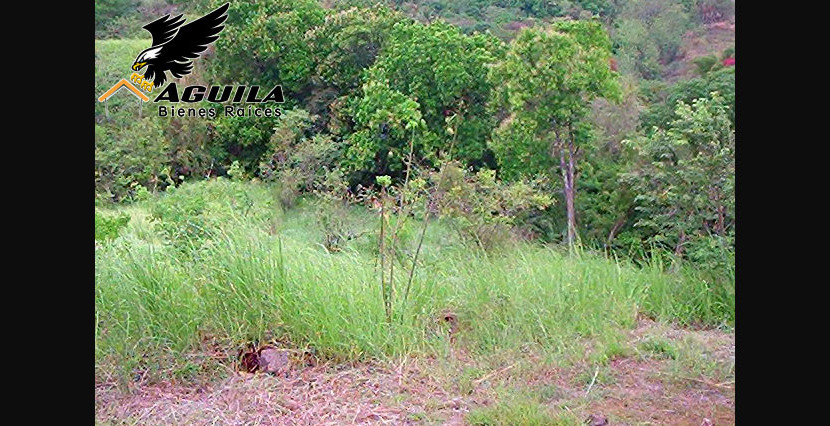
{"x": 220, "y": 259}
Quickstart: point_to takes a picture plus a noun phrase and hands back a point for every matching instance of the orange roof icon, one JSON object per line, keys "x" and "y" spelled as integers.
{"x": 119, "y": 85}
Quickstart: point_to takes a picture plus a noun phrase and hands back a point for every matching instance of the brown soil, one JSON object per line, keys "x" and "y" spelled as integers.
{"x": 632, "y": 390}
{"x": 712, "y": 39}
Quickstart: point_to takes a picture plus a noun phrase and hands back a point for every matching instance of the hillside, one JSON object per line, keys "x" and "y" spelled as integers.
{"x": 484, "y": 212}
{"x": 711, "y": 39}
{"x": 214, "y": 266}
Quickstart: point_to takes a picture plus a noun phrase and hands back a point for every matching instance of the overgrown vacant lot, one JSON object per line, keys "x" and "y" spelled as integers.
{"x": 523, "y": 334}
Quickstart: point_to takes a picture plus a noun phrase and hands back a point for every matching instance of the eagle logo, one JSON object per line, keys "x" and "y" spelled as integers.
{"x": 174, "y": 48}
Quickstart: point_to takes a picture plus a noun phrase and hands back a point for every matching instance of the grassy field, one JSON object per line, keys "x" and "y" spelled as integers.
{"x": 197, "y": 273}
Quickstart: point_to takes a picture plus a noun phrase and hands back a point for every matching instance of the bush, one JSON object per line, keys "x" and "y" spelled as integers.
{"x": 661, "y": 112}
{"x": 132, "y": 155}
{"x": 704, "y": 64}
{"x": 685, "y": 180}
{"x": 481, "y": 208}
{"x": 264, "y": 43}
{"x": 648, "y": 36}
{"x": 106, "y": 228}
{"x": 195, "y": 213}
{"x": 713, "y": 253}
{"x": 296, "y": 161}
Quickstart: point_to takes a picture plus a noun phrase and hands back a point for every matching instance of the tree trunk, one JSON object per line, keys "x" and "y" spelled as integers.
{"x": 614, "y": 229}
{"x": 568, "y": 168}
{"x": 569, "y": 199}
{"x": 678, "y": 250}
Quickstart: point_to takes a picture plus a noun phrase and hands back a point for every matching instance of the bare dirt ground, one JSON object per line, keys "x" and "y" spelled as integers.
{"x": 712, "y": 39}
{"x": 672, "y": 376}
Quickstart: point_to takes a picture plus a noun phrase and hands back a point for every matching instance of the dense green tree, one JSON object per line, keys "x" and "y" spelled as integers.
{"x": 344, "y": 46}
{"x": 386, "y": 121}
{"x": 445, "y": 71}
{"x": 243, "y": 139}
{"x": 605, "y": 205}
{"x": 441, "y": 72}
{"x": 685, "y": 177}
{"x": 549, "y": 78}
{"x": 664, "y": 103}
{"x": 348, "y": 42}
{"x": 648, "y": 36}
{"x": 125, "y": 157}
{"x": 264, "y": 43}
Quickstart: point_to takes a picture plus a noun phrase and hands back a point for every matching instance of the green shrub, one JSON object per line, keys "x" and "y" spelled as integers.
{"x": 481, "y": 208}
{"x": 297, "y": 162}
{"x": 195, "y": 213}
{"x": 704, "y": 64}
{"x": 131, "y": 155}
{"x": 713, "y": 253}
{"x": 665, "y": 100}
{"x": 264, "y": 43}
{"x": 659, "y": 347}
{"x": 685, "y": 181}
{"x": 106, "y": 228}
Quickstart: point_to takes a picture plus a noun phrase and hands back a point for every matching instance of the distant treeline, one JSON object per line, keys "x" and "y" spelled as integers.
{"x": 571, "y": 95}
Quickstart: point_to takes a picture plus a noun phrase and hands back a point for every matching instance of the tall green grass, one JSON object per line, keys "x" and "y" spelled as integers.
{"x": 242, "y": 277}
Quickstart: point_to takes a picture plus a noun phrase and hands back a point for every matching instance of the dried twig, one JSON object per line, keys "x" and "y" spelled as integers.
{"x": 727, "y": 384}
{"x": 596, "y": 372}
{"x": 493, "y": 374}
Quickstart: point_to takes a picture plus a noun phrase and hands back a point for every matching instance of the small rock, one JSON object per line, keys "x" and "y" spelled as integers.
{"x": 272, "y": 360}
{"x": 596, "y": 420}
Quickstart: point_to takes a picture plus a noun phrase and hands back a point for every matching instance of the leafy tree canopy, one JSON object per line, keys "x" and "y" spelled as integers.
{"x": 440, "y": 72}
{"x": 548, "y": 79}
{"x": 664, "y": 105}
{"x": 349, "y": 41}
{"x": 264, "y": 43}
{"x": 685, "y": 183}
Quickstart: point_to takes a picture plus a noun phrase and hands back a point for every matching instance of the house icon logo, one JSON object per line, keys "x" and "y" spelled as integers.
{"x": 122, "y": 84}
{"x": 118, "y": 86}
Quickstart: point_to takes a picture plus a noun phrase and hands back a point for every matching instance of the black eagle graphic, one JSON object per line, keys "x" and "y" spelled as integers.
{"x": 175, "y": 48}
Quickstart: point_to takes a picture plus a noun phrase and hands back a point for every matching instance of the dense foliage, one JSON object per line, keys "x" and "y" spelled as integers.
{"x": 686, "y": 181}
{"x": 509, "y": 92}
{"x": 549, "y": 79}
{"x": 432, "y": 73}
